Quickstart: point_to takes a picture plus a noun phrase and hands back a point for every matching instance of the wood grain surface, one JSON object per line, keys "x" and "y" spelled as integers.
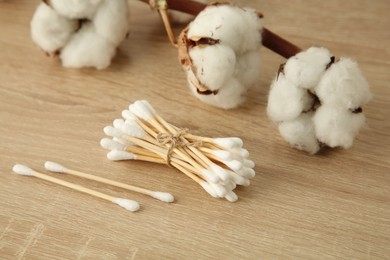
{"x": 335, "y": 205}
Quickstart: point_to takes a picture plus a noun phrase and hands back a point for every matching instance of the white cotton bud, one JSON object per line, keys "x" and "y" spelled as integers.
{"x": 306, "y": 68}
{"x": 286, "y": 101}
{"x": 300, "y": 133}
{"x": 335, "y": 126}
{"x": 214, "y": 64}
{"x": 49, "y": 30}
{"x": 111, "y": 20}
{"x": 87, "y": 49}
{"x": 344, "y": 85}
{"x": 75, "y": 9}
{"x": 235, "y": 27}
{"x": 229, "y": 96}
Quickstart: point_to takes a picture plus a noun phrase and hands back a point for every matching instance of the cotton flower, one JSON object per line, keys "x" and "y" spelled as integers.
{"x": 219, "y": 52}
{"x": 85, "y": 33}
{"x": 317, "y": 100}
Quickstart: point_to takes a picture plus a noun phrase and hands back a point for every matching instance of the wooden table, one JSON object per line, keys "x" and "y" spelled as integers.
{"x": 335, "y": 205}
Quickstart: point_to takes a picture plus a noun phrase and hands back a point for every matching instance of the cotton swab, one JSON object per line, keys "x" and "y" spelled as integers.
{"x": 55, "y": 167}
{"x": 130, "y": 205}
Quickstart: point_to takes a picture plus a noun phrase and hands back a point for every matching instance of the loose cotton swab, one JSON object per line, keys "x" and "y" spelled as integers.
{"x": 130, "y": 205}
{"x": 163, "y": 196}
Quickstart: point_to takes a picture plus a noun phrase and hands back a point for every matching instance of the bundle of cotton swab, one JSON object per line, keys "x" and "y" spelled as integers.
{"x": 84, "y": 33}
{"x": 317, "y": 100}
{"x": 219, "y": 51}
{"x": 216, "y": 164}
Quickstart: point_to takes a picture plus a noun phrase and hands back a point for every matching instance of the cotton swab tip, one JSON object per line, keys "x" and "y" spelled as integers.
{"x": 130, "y": 205}
{"x": 22, "y": 170}
{"x": 221, "y": 172}
{"x": 54, "y": 167}
{"x": 219, "y": 189}
{"x": 249, "y": 163}
{"x": 231, "y": 196}
{"x": 208, "y": 189}
{"x": 126, "y": 114}
{"x": 139, "y": 110}
{"x": 110, "y": 144}
{"x": 113, "y": 132}
{"x": 116, "y": 155}
{"x": 235, "y": 165}
{"x": 163, "y": 196}
{"x": 229, "y": 142}
{"x": 118, "y": 123}
{"x": 148, "y": 105}
{"x": 223, "y": 155}
{"x": 210, "y": 176}
{"x": 133, "y": 130}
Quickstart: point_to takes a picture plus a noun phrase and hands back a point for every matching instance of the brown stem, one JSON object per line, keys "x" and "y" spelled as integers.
{"x": 270, "y": 40}
{"x": 279, "y": 45}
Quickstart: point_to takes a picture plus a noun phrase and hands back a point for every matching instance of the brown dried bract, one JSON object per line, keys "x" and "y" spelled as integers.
{"x": 184, "y": 45}
{"x": 47, "y": 2}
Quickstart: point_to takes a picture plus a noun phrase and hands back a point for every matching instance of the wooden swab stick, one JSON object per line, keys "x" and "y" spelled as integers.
{"x": 130, "y": 205}
{"x": 55, "y": 167}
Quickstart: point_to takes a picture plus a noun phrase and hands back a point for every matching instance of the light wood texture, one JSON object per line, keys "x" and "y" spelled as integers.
{"x": 335, "y": 205}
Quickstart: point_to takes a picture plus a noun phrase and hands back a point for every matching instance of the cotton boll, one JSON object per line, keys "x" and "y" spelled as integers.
{"x": 49, "y": 30}
{"x": 229, "y": 25}
{"x": 75, "y": 9}
{"x": 344, "y": 85}
{"x": 111, "y": 20}
{"x": 248, "y": 68}
{"x": 337, "y": 127}
{"x": 229, "y": 96}
{"x": 300, "y": 133}
{"x": 306, "y": 68}
{"x": 286, "y": 101}
{"x": 214, "y": 64}
{"x": 87, "y": 49}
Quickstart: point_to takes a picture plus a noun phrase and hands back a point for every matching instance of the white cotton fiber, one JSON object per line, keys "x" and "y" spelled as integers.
{"x": 214, "y": 64}
{"x": 344, "y": 85}
{"x": 286, "y": 101}
{"x": 306, "y": 68}
{"x": 335, "y": 126}
{"x": 248, "y": 68}
{"x": 49, "y": 30}
{"x": 76, "y": 9}
{"x": 87, "y": 49}
{"x": 229, "y": 96}
{"x": 235, "y": 27}
{"x": 111, "y": 20}
{"x": 300, "y": 133}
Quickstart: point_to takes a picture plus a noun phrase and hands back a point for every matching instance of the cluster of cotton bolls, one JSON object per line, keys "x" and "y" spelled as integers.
{"x": 317, "y": 100}
{"x": 219, "y": 51}
{"x": 217, "y": 164}
{"x": 84, "y": 33}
